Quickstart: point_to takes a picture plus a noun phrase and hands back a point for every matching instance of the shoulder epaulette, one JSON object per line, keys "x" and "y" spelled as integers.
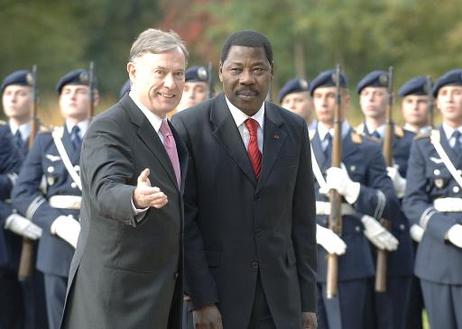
{"x": 356, "y": 137}
{"x": 399, "y": 132}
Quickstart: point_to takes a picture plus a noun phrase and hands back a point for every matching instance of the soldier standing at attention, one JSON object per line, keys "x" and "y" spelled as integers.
{"x": 294, "y": 96}
{"x": 30, "y": 313}
{"x": 414, "y": 104}
{"x": 55, "y": 155}
{"x": 367, "y": 195}
{"x": 196, "y": 87}
{"x": 390, "y": 306}
{"x": 434, "y": 202}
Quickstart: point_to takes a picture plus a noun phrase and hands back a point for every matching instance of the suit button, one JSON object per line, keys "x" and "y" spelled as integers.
{"x": 254, "y": 264}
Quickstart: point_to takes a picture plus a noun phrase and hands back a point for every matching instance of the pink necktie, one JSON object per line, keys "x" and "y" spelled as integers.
{"x": 252, "y": 148}
{"x": 170, "y": 147}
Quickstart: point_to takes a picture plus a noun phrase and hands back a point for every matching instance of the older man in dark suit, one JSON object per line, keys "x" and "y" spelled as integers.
{"x": 126, "y": 272}
{"x": 250, "y": 249}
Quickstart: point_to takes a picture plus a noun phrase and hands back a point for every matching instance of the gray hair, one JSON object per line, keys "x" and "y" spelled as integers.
{"x": 156, "y": 42}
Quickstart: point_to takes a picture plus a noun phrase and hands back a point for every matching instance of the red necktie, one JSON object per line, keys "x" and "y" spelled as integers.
{"x": 252, "y": 148}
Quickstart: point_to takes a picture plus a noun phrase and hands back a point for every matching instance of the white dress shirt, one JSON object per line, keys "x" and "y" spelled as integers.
{"x": 240, "y": 117}
{"x": 83, "y": 126}
{"x": 323, "y": 130}
{"x": 25, "y": 129}
{"x": 153, "y": 119}
{"x": 449, "y": 131}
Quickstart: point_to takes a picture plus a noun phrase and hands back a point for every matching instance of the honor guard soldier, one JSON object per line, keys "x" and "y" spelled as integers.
{"x": 433, "y": 201}
{"x": 295, "y": 97}
{"x": 414, "y": 105}
{"x": 17, "y": 99}
{"x": 390, "y": 306}
{"x": 55, "y": 156}
{"x": 11, "y": 299}
{"x": 367, "y": 194}
{"x": 196, "y": 87}
{"x": 414, "y": 108}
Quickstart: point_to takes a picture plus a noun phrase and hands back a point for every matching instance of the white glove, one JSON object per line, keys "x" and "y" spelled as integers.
{"x": 416, "y": 232}
{"x": 455, "y": 235}
{"x": 378, "y": 235}
{"x": 23, "y": 226}
{"x": 399, "y": 183}
{"x": 338, "y": 179}
{"x": 67, "y": 228}
{"x": 330, "y": 241}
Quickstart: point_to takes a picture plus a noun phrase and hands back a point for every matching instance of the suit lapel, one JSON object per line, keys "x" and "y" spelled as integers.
{"x": 273, "y": 138}
{"x": 149, "y": 136}
{"x": 225, "y": 131}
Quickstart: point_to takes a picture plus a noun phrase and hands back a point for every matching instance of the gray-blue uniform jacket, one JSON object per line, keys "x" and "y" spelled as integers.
{"x": 54, "y": 254}
{"x": 428, "y": 179}
{"x": 401, "y": 261}
{"x": 365, "y": 164}
{"x": 9, "y": 166}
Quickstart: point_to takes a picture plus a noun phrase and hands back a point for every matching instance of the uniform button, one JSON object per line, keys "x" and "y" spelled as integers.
{"x": 353, "y": 168}
{"x": 456, "y": 189}
{"x": 254, "y": 264}
{"x": 77, "y": 168}
{"x": 402, "y": 227}
{"x": 50, "y": 169}
{"x": 358, "y": 229}
{"x": 73, "y": 185}
{"x": 437, "y": 172}
{"x": 459, "y": 172}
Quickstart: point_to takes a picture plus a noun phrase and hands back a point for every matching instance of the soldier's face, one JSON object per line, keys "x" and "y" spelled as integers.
{"x": 17, "y": 102}
{"x": 415, "y": 110}
{"x": 373, "y": 102}
{"x": 194, "y": 92}
{"x": 158, "y": 80}
{"x": 325, "y": 104}
{"x": 449, "y": 102}
{"x": 74, "y": 102}
{"x": 298, "y": 103}
{"x": 246, "y": 75}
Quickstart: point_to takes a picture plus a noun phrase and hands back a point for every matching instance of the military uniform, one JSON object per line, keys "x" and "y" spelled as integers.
{"x": 60, "y": 199}
{"x": 391, "y": 307}
{"x": 11, "y": 301}
{"x": 32, "y": 310}
{"x": 433, "y": 201}
{"x": 364, "y": 163}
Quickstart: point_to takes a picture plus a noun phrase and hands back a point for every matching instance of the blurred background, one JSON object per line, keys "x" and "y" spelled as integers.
{"x": 417, "y": 37}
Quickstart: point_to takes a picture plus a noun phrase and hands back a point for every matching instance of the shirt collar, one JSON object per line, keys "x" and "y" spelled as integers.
{"x": 153, "y": 119}
{"x": 25, "y": 129}
{"x": 323, "y": 130}
{"x": 449, "y": 130}
{"x": 239, "y": 116}
{"x": 83, "y": 126}
{"x": 380, "y": 130}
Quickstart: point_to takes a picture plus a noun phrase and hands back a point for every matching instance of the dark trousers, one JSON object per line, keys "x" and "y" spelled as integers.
{"x": 35, "y": 312}
{"x": 347, "y": 309}
{"x": 443, "y": 303}
{"x": 391, "y": 306}
{"x": 416, "y": 305}
{"x": 55, "y": 294}
{"x": 11, "y": 301}
{"x": 261, "y": 317}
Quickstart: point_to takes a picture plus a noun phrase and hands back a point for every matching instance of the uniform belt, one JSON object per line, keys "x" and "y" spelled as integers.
{"x": 65, "y": 201}
{"x": 448, "y": 204}
{"x": 323, "y": 208}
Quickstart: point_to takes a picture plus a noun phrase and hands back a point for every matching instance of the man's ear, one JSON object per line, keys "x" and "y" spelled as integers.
{"x": 220, "y": 72}
{"x": 131, "y": 69}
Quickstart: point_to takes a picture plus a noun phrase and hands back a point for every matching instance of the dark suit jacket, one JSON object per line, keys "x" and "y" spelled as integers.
{"x": 237, "y": 227}
{"x": 126, "y": 273}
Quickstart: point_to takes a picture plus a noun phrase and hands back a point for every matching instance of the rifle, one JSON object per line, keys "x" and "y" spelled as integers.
{"x": 387, "y": 149}
{"x": 26, "y": 261}
{"x": 430, "y": 100}
{"x": 91, "y": 91}
{"x": 335, "y": 215}
{"x": 210, "y": 79}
